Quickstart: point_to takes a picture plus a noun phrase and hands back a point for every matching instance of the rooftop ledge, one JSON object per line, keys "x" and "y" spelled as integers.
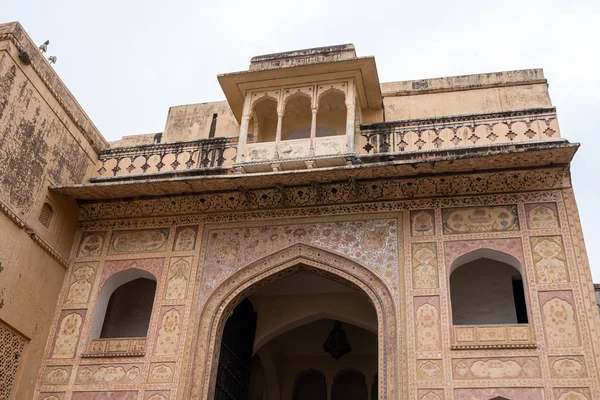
{"x": 377, "y": 166}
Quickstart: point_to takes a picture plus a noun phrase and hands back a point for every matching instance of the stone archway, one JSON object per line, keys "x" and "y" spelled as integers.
{"x": 202, "y": 372}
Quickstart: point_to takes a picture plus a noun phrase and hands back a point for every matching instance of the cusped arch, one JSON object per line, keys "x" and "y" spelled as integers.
{"x": 299, "y": 93}
{"x": 247, "y": 280}
{"x": 262, "y": 98}
{"x": 330, "y": 91}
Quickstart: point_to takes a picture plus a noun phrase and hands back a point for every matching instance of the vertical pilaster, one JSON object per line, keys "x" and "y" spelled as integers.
{"x": 350, "y": 118}
{"x": 278, "y": 132}
{"x": 243, "y": 137}
{"x": 313, "y": 132}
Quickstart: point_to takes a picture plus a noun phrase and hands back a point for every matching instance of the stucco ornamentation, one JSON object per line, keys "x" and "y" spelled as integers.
{"x": 428, "y": 327}
{"x": 82, "y": 280}
{"x": 559, "y": 321}
{"x": 480, "y": 219}
{"x": 178, "y": 278}
{"x": 542, "y": 216}
{"x": 145, "y": 240}
{"x": 549, "y": 259}
{"x": 67, "y": 336}
{"x": 424, "y": 260}
{"x": 168, "y": 332}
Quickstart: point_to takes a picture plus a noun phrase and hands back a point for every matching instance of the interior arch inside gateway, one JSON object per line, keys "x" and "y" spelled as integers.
{"x": 304, "y": 336}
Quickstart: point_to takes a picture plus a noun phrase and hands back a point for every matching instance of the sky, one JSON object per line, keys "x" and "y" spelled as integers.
{"x": 127, "y": 61}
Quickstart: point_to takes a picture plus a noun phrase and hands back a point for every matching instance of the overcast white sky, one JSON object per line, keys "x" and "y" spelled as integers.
{"x": 127, "y": 62}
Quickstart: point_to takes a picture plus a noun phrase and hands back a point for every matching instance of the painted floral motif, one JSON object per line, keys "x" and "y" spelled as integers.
{"x": 542, "y": 216}
{"x": 567, "y": 367}
{"x": 57, "y": 376}
{"x": 68, "y": 336}
{"x": 373, "y": 243}
{"x": 178, "y": 279}
{"x": 424, "y": 260}
{"x": 559, "y": 321}
{"x": 572, "y": 395}
{"x": 79, "y": 290}
{"x": 431, "y": 396}
{"x": 480, "y": 219}
{"x": 549, "y": 259}
{"x": 91, "y": 244}
{"x": 429, "y": 370}
{"x": 157, "y": 397}
{"x": 422, "y": 223}
{"x": 139, "y": 241}
{"x": 161, "y": 373}
{"x": 168, "y": 333}
{"x": 51, "y": 397}
{"x": 185, "y": 238}
{"x": 105, "y": 395}
{"x": 109, "y": 374}
{"x": 428, "y": 328}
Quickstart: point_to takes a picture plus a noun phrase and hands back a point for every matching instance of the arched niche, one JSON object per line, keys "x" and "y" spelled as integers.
{"x": 310, "y": 385}
{"x": 108, "y": 289}
{"x": 331, "y": 114}
{"x": 299, "y": 257}
{"x": 297, "y": 117}
{"x": 264, "y": 119}
{"x": 486, "y": 287}
{"x": 349, "y": 384}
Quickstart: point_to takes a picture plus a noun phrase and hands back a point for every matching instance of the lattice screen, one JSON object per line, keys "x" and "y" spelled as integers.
{"x": 46, "y": 215}
{"x": 11, "y": 348}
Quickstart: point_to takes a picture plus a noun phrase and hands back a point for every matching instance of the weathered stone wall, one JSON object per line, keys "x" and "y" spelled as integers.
{"x": 409, "y": 246}
{"x": 45, "y": 139}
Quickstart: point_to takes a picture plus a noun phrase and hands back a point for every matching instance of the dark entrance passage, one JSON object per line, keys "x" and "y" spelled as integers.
{"x": 235, "y": 360}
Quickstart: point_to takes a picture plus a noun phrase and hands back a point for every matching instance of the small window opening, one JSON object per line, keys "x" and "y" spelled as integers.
{"x": 46, "y": 215}
{"x": 129, "y": 310}
{"x": 213, "y": 126}
{"x": 519, "y": 295}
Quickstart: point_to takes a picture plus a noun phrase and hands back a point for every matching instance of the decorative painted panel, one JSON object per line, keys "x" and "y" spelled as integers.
{"x": 81, "y": 282}
{"x": 496, "y": 368}
{"x": 178, "y": 278}
{"x": 116, "y": 347}
{"x": 138, "y": 241}
{"x": 422, "y": 223}
{"x": 493, "y": 336}
{"x": 108, "y": 374}
{"x": 425, "y": 266}
{"x": 156, "y": 395}
{"x": 161, "y": 372}
{"x": 431, "y": 394}
{"x": 558, "y": 315}
{"x": 572, "y": 394}
{"x": 185, "y": 238}
{"x": 68, "y": 333}
{"x": 430, "y": 370}
{"x": 549, "y": 259}
{"x": 104, "y": 395}
{"x": 371, "y": 242}
{"x": 91, "y": 244}
{"x": 567, "y": 367}
{"x": 480, "y": 219}
{"x": 57, "y": 375}
{"x": 427, "y": 323}
{"x": 492, "y": 393}
{"x": 169, "y": 330}
{"x": 542, "y": 216}
{"x": 51, "y": 396}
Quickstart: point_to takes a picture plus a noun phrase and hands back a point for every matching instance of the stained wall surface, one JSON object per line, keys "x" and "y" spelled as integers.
{"x": 45, "y": 139}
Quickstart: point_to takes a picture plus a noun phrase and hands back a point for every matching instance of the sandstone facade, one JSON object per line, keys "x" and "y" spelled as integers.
{"x": 316, "y": 193}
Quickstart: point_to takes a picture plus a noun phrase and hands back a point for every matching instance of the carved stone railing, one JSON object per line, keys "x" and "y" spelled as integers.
{"x": 296, "y": 148}
{"x": 459, "y": 131}
{"x": 197, "y": 154}
{"x": 492, "y": 337}
{"x": 118, "y": 347}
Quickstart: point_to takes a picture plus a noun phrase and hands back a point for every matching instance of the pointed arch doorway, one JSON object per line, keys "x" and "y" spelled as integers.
{"x": 218, "y": 306}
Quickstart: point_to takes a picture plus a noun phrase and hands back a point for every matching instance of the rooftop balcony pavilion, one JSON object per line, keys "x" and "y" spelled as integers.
{"x": 321, "y": 114}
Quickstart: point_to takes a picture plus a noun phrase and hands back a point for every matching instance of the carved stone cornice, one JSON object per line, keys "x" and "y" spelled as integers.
{"x": 361, "y": 193}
